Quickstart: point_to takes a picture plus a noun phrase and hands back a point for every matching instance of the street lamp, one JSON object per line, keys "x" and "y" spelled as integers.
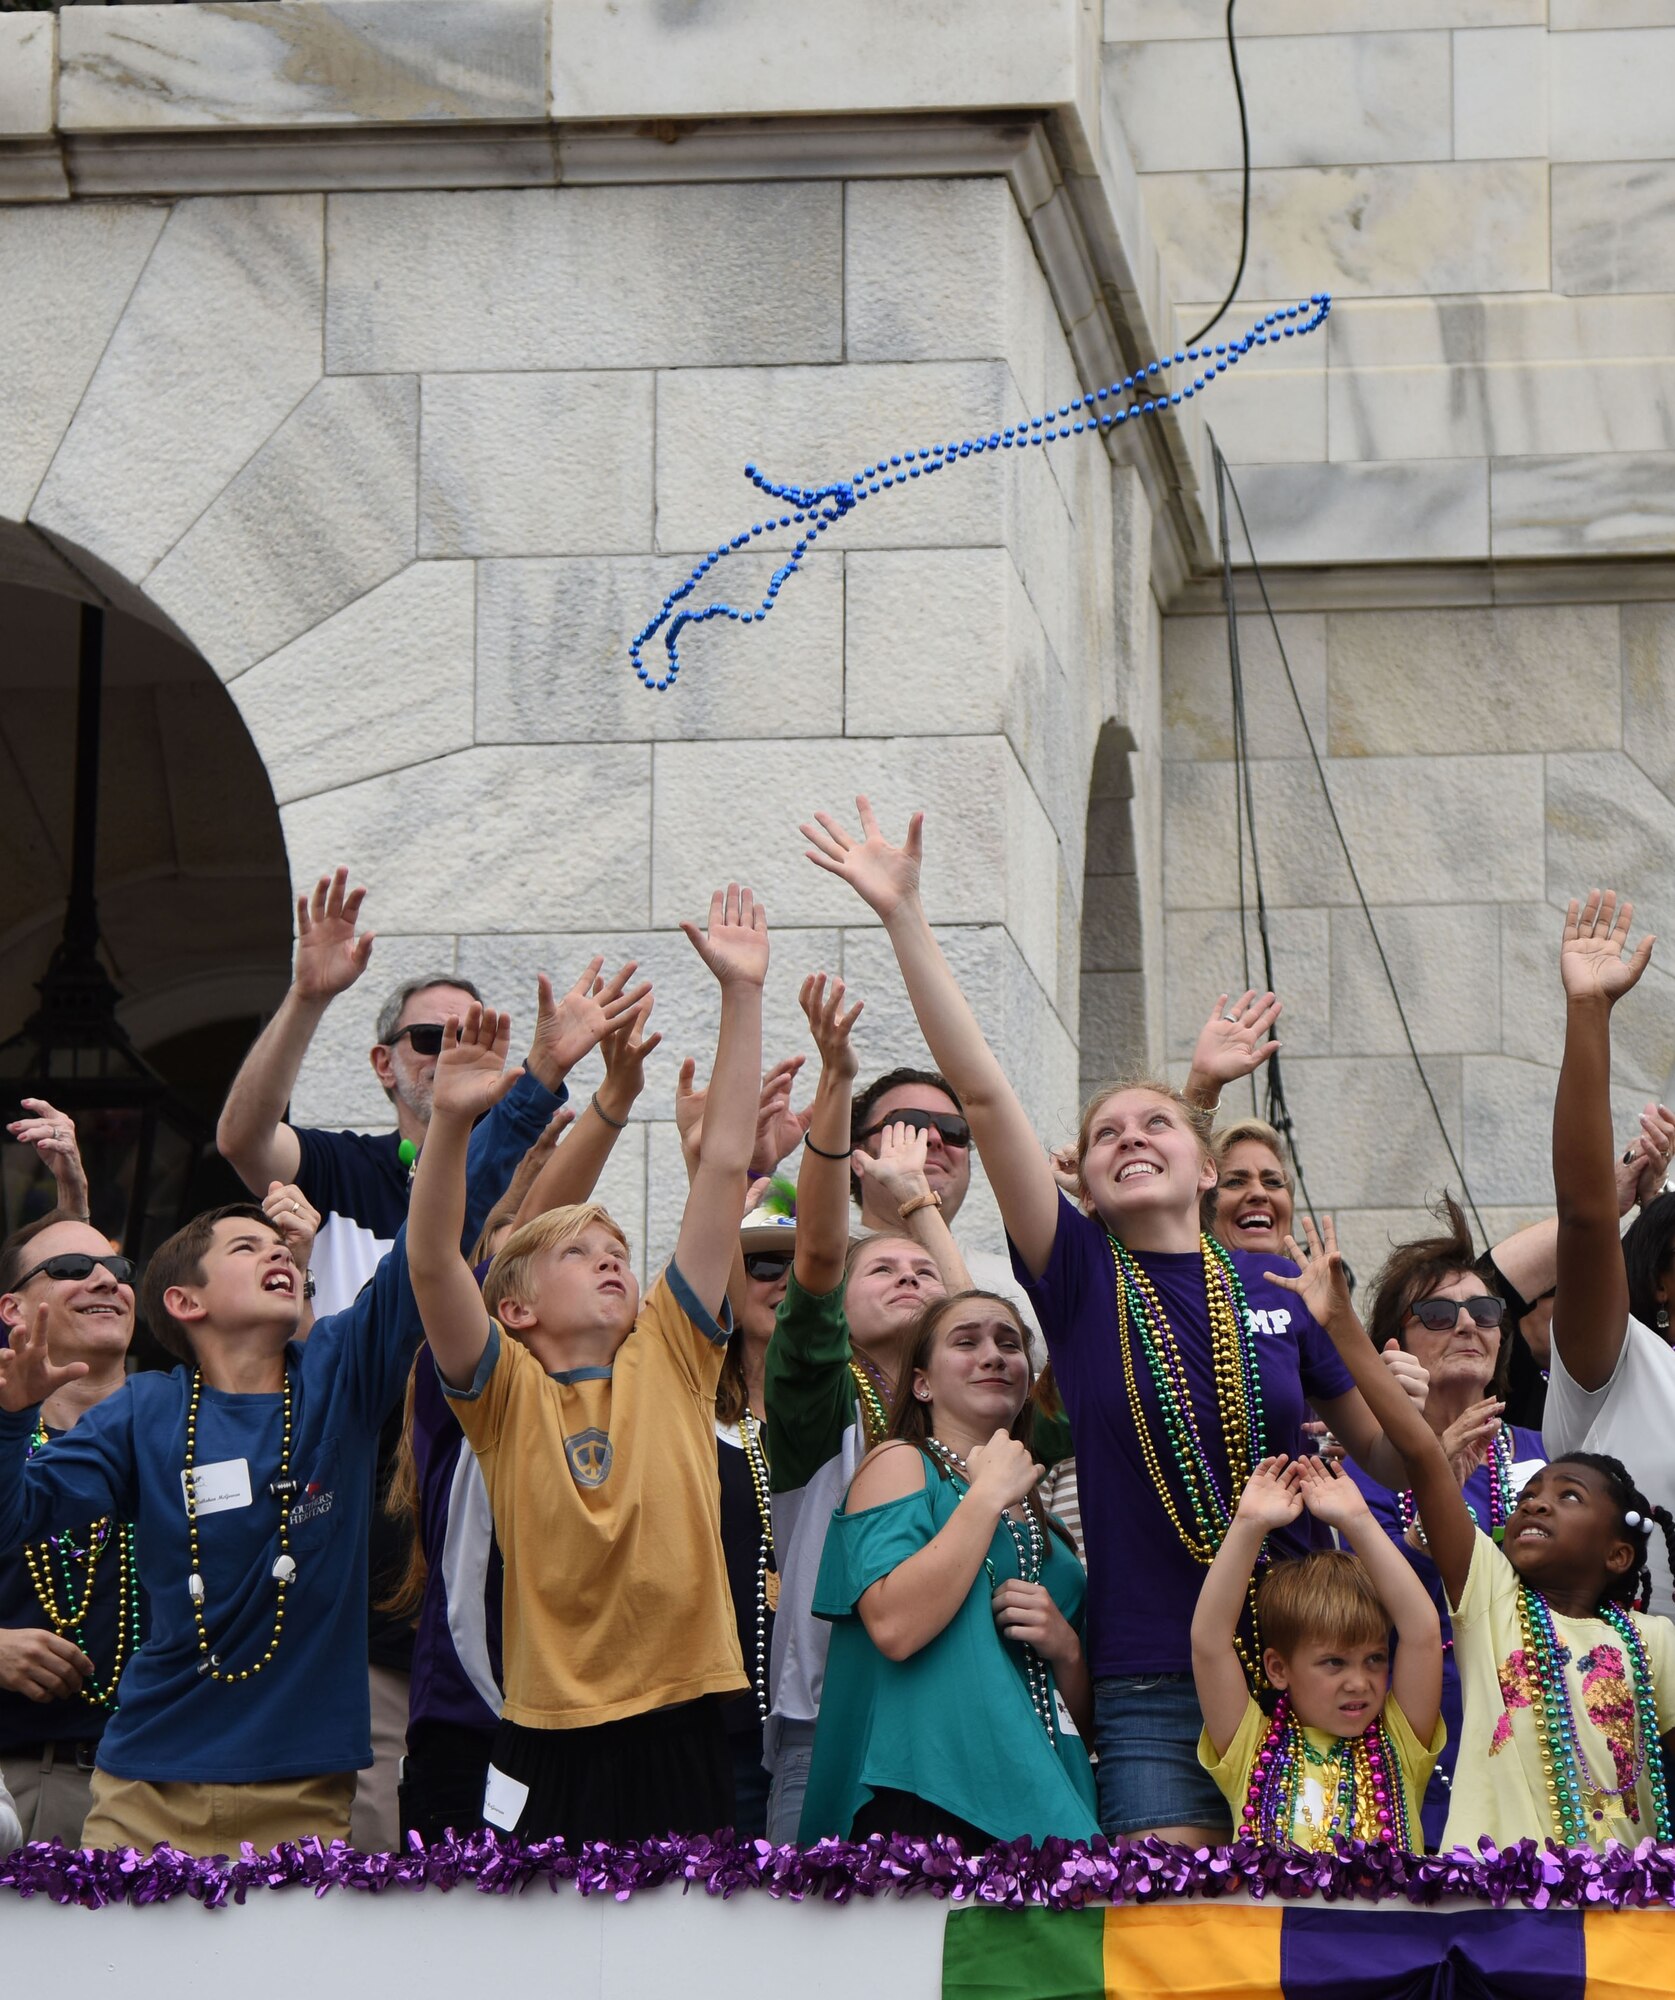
{"x": 139, "y": 1140}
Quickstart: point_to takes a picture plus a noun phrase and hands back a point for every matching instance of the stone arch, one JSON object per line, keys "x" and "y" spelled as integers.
{"x": 194, "y": 890}
{"x": 1114, "y": 1028}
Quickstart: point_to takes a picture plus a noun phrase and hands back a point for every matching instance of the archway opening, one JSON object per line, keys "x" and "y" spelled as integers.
{"x": 189, "y": 869}
{"x": 1113, "y": 986}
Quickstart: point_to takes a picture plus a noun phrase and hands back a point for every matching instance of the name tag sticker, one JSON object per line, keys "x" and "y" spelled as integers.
{"x": 503, "y": 1800}
{"x": 1066, "y": 1721}
{"x": 220, "y": 1487}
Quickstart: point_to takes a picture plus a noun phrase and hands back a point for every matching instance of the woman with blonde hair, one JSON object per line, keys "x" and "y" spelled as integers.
{"x": 1180, "y": 1364}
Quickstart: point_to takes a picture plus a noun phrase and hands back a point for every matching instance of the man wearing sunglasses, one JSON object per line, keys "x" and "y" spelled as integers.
{"x": 925, "y": 1101}
{"x": 58, "y": 1677}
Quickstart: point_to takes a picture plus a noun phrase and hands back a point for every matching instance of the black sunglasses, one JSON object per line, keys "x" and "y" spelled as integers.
{"x": 1442, "y": 1315}
{"x": 426, "y": 1037}
{"x": 955, "y": 1131}
{"x": 766, "y": 1266}
{"x": 78, "y": 1264}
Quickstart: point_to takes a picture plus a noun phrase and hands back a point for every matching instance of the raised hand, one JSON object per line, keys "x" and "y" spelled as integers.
{"x": 780, "y": 1130}
{"x": 1409, "y": 1370}
{"x": 295, "y": 1217}
{"x": 1466, "y": 1441}
{"x": 1321, "y": 1282}
{"x": 898, "y": 1173}
{"x": 884, "y": 877}
{"x": 734, "y": 944}
{"x": 28, "y": 1373}
{"x": 53, "y": 1135}
{"x": 1026, "y": 1614}
{"x": 690, "y": 1100}
{"x": 1329, "y": 1493}
{"x": 330, "y": 958}
{"x": 1643, "y": 1165}
{"x": 1591, "y": 961}
{"x": 471, "y": 1072}
{"x": 625, "y": 1048}
{"x": 829, "y": 1024}
{"x": 1270, "y": 1498}
{"x": 1003, "y": 1471}
{"x": 568, "y": 1026}
{"x": 1234, "y": 1041}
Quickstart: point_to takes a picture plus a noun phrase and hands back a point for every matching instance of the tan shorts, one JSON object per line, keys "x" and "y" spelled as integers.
{"x": 214, "y": 1819}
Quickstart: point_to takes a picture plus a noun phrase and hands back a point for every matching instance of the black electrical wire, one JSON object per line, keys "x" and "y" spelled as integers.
{"x": 1244, "y": 204}
{"x": 1225, "y": 483}
{"x": 1276, "y": 1110}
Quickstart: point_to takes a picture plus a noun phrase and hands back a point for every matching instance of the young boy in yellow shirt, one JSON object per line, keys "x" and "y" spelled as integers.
{"x": 593, "y": 1418}
{"x": 1348, "y": 1749}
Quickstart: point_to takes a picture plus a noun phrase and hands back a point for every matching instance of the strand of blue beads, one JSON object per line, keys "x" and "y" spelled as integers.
{"x": 815, "y": 509}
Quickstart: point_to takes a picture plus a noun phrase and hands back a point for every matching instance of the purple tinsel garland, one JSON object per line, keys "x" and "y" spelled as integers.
{"x": 1060, "y": 1874}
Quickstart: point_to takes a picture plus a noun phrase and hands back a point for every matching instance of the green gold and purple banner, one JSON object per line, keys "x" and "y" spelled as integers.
{"x": 1243, "y": 1951}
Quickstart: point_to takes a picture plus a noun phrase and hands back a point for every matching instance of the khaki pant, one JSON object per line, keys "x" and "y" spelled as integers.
{"x": 52, "y": 1791}
{"x": 375, "y": 1823}
{"x": 214, "y": 1819}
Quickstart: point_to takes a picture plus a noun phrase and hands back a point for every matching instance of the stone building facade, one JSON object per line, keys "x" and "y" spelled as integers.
{"x": 382, "y": 363}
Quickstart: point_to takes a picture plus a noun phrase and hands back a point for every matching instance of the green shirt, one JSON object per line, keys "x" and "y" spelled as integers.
{"x": 953, "y": 1724}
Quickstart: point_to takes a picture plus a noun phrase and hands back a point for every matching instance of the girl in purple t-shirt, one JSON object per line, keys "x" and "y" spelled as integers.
{"x": 1180, "y": 1365}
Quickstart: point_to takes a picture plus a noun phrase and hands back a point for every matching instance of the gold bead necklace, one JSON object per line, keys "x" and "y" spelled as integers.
{"x": 284, "y": 1570}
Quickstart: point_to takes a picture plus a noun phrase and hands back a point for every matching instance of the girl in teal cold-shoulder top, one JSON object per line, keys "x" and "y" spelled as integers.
{"x": 955, "y": 1688}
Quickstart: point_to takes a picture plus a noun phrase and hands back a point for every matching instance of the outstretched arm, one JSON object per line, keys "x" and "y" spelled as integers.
{"x": 471, "y": 1076}
{"x": 252, "y": 1134}
{"x": 1321, "y": 1285}
{"x": 1332, "y": 1496}
{"x": 886, "y": 878}
{"x": 735, "y": 948}
{"x": 571, "y": 1170}
{"x": 53, "y": 1135}
{"x": 1590, "y": 1309}
{"x": 1270, "y": 1500}
{"x": 823, "y": 1171}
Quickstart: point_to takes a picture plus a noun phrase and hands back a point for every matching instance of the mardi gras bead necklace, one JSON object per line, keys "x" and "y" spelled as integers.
{"x": 1360, "y": 1779}
{"x": 875, "y": 1419}
{"x": 1569, "y": 1776}
{"x": 284, "y": 1570}
{"x": 815, "y": 509}
{"x": 1029, "y": 1543}
{"x": 68, "y": 1619}
{"x": 1502, "y": 1499}
{"x": 1142, "y": 1322}
{"x": 755, "y": 1450}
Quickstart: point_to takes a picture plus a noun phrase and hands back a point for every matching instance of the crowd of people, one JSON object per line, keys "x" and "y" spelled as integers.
{"x": 841, "y": 1526}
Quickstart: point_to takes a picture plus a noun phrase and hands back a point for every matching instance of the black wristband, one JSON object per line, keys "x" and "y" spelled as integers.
{"x": 821, "y": 1152}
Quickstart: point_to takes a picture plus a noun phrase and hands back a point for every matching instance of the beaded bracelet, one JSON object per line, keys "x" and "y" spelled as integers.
{"x": 817, "y": 508}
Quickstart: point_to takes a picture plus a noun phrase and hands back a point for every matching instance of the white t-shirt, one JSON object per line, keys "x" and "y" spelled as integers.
{"x": 1632, "y": 1418}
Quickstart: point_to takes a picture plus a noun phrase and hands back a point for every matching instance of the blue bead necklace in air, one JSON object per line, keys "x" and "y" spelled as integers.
{"x": 817, "y": 508}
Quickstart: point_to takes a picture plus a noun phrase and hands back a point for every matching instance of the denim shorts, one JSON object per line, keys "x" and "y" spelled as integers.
{"x": 1146, "y": 1729}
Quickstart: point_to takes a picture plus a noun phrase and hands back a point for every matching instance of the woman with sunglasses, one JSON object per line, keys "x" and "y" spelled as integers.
{"x": 1430, "y": 1299}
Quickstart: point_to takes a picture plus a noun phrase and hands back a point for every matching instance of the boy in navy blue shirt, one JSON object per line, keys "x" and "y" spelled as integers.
{"x": 248, "y": 1477}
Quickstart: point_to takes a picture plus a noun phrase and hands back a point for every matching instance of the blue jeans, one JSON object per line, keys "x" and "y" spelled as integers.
{"x": 790, "y": 1781}
{"x": 1145, "y": 1730}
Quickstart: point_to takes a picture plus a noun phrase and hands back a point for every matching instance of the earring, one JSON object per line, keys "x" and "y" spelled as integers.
{"x": 924, "y": 1395}
{"x": 1663, "y": 1319}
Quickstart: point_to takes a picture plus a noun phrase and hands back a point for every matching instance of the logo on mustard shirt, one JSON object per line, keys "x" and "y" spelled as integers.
{"x": 589, "y": 1453}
